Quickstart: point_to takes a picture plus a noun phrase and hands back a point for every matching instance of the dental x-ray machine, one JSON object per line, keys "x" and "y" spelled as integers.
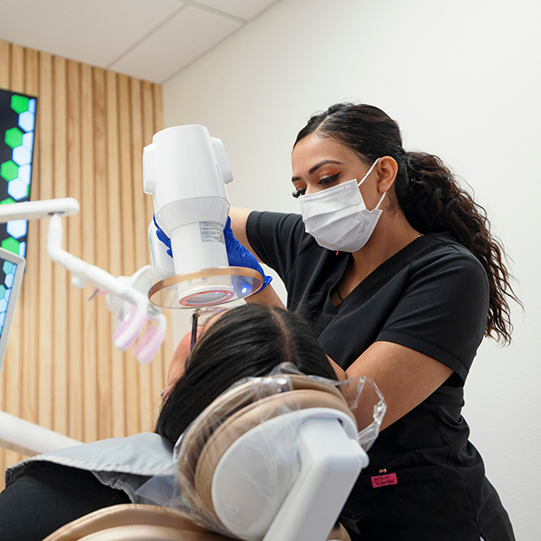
{"x": 186, "y": 170}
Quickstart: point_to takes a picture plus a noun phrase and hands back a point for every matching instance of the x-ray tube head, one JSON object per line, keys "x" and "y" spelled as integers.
{"x": 186, "y": 170}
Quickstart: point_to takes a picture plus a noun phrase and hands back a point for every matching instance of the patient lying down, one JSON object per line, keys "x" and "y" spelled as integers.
{"x": 44, "y": 493}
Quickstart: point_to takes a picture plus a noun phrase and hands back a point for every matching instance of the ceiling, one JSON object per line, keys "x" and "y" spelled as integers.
{"x": 148, "y": 39}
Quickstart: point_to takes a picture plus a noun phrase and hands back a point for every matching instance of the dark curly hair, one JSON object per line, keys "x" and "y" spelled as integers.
{"x": 427, "y": 193}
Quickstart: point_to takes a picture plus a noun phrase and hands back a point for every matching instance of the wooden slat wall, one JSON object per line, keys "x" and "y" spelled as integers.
{"x": 61, "y": 369}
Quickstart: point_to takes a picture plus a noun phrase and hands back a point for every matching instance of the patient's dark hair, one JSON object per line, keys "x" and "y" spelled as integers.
{"x": 246, "y": 341}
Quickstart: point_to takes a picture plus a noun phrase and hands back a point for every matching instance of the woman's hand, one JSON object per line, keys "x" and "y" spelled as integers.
{"x": 266, "y": 295}
{"x": 239, "y": 256}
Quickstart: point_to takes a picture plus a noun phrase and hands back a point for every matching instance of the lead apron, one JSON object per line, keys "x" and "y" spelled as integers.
{"x": 120, "y": 463}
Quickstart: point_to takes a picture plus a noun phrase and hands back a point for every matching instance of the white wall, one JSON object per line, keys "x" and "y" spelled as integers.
{"x": 463, "y": 79}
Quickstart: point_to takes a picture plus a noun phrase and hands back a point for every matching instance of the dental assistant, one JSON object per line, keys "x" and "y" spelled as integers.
{"x": 395, "y": 267}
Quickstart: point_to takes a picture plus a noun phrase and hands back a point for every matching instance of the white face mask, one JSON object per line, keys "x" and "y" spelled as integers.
{"x": 338, "y": 218}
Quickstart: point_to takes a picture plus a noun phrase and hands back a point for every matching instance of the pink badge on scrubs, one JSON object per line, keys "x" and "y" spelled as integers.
{"x": 384, "y": 480}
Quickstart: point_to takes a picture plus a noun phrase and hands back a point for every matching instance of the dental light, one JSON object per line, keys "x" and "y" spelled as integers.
{"x": 129, "y": 319}
{"x": 186, "y": 170}
{"x": 126, "y": 296}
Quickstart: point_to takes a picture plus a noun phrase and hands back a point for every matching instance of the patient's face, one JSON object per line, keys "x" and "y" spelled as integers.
{"x": 176, "y": 366}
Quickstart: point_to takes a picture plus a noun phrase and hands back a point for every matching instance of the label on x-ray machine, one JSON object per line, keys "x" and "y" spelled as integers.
{"x": 211, "y": 232}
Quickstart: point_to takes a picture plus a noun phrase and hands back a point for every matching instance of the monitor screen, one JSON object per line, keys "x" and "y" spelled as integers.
{"x": 17, "y": 120}
{"x": 11, "y": 272}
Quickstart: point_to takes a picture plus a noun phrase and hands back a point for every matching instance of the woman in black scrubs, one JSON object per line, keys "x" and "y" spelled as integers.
{"x": 395, "y": 266}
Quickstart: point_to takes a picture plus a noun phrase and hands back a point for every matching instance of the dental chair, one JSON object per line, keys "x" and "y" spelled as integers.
{"x": 271, "y": 461}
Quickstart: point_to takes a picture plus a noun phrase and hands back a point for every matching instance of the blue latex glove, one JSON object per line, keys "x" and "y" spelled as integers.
{"x": 163, "y": 237}
{"x": 239, "y": 256}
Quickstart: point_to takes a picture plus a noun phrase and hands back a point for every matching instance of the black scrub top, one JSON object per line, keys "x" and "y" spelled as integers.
{"x": 425, "y": 480}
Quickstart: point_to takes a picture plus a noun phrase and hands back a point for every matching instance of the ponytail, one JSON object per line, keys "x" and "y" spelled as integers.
{"x": 433, "y": 202}
{"x": 427, "y": 193}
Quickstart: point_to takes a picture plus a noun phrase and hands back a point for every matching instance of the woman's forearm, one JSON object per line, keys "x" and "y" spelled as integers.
{"x": 267, "y": 297}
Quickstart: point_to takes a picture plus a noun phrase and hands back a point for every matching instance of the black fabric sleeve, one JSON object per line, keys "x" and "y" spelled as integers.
{"x": 442, "y": 312}
{"x": 47, "y": 496}
{"x": 276, "y": 239}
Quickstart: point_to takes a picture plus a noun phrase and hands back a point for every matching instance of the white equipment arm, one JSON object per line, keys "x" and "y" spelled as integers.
{"x": 32, "y": 210}
{"x": 30, "y": 439}
{"x": 86, "y": 273}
